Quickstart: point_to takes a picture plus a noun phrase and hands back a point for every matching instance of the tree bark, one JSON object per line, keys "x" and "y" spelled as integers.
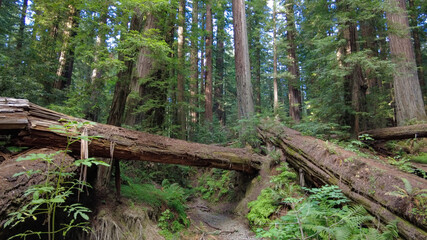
{"x": 294, "y": 94}
{"x": 122, "y": 88}
{"x": 93, "y": 110}
{"x": 21, "y": 36}
{"x": 32, "y": 124}
{"x": 245, "y": 102}
{"x": 218, "y": 106}
{"x": 417, "y": 44}
{"x": 365, "y": 181}
{"x": 398, "y": 133}
{"x": 275, "y": 86}
{"x": 209, "y": 65}
{"x": 180, "y": 75}
{"x": 66, "y": 57}
{"x": 194, "y": 61}
{"x": 407, "y": 91}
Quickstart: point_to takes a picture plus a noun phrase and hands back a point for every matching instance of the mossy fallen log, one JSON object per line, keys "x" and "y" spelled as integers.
{"x": 398, "y": 133}
{"x": 367, "y": 181}
{"x": 28, "y": 125}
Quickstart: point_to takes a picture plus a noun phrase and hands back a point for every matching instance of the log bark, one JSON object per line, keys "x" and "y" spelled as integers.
{"x": 13, "y": 187}
{"x": 31, "y": 126}
{"x": 365, "y": 181}
{"x": 398, "y": 133}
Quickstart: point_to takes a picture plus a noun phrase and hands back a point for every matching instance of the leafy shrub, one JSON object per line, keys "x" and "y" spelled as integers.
{"x": 216, "y": 184}
{"x": 262, "y": 208}
{"x": 268, "y": 201}
{"x": 320, "y": 217}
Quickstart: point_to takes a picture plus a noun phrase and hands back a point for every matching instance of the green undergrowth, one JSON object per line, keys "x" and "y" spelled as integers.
{"x": 283, "y": 211}
{"x": 267, "y": 203}
{"x": 216, "y": 185}
{"x": 421, "y": 158}
{"x": 168, "y": 197}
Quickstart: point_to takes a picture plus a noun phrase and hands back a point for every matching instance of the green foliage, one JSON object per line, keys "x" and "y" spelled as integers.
{"x": 246, "y": 129}
{"x": 172, "y": 196}
{"x": 321, "y": 130}
{"x": 267, "y": 202}
{"x": 210, "y": 132}
{"x": 417, "y": 198}
{"x": 421, "y": 158}
{"x": 170, "y": 225}
{"x": 50, "y": 197}
{"x": 327, "y": 195}
{"x": 402, "y": 163}
{"x": 262, "y": 208}
{"x": 216, "y": 185}
{"x": 321, "y": 217}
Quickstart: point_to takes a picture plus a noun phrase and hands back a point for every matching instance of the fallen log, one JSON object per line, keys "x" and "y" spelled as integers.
{"x": 12, "y": 188}
{"x": 398, "y": 133}
{"x": 30, "y": 123}
{"x": 365, "y": 181}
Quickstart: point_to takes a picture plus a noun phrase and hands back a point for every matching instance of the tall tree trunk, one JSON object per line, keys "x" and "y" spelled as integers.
{"x": 275, "y": 86}
{"x": 209, "y": 67}
{"x": 21, "y": 36}
{"x": 219, "y": 81}
{"x": 368, "y": 34}
{"x": 180, "y": 75}
{"x": 97, "y": 83}
{"x": 408, "y": 97}
{"x": 143, "y": 68}
{"x": 124, "y": 76}
{"x": 66, "y": 58}
{"x": 258, "y": 74}
{"x": 245, "y": 102}
{"x": 194, "y": 62}
{"x": 417, "y": 45}
{"x": 294, "y": 93}
{"x": 202, "y": 66}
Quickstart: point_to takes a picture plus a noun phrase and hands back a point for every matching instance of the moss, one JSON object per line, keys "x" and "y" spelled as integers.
{"x": 421, "y": 158}
{"x": 233, "y": 157}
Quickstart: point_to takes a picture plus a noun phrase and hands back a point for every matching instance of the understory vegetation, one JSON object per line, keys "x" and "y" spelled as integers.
{"x": 287, "y": 211}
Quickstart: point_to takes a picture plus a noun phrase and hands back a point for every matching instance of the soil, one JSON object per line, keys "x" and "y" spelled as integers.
{"x": 217, "y": 221}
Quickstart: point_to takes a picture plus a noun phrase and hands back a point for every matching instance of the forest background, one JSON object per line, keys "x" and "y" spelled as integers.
{"x": 169, "y": 67}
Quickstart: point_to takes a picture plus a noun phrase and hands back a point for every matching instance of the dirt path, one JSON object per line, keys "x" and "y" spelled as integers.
{"x": 217, "y": 222}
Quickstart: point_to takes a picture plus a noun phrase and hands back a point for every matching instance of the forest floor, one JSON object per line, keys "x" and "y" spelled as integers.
{"x": 216, "y": 221}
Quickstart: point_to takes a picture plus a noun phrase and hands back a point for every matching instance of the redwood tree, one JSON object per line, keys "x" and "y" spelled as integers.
{"x": 180, "y": 75}
{"x": 245, "y": 102}
{"x": 407, "y": 91}
{"x": 209, "y": 67}
{"x": 294, "y": 93}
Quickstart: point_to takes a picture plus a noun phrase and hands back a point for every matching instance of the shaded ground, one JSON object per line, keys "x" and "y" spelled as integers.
{"x": 217, "y": 222}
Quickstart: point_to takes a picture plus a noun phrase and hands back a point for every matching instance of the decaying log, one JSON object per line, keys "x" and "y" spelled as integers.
{"x": 365, "y": 181}
{"x": 31, "y": 125}
{"x": 398, "y": 133}
{"x": 12, "y": 188}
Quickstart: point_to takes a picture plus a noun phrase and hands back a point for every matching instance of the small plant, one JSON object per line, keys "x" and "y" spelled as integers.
{"x": 417, "y": 198}
{"x": 268, "y": 202}
{"x": 320, "y": 217}
{"x": 402, "y": 163}
{"x": 169, "y": 224}
{"x": 262, "y": 208}
{"x": 216, "y": 185}
{"x": 50, "y": 196}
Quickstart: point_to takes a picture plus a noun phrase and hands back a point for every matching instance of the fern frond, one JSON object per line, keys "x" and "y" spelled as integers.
{"x": 408, "y": 186}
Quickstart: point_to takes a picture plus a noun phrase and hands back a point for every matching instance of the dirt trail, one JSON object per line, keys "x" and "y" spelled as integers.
{"x": 217, "y": 222}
